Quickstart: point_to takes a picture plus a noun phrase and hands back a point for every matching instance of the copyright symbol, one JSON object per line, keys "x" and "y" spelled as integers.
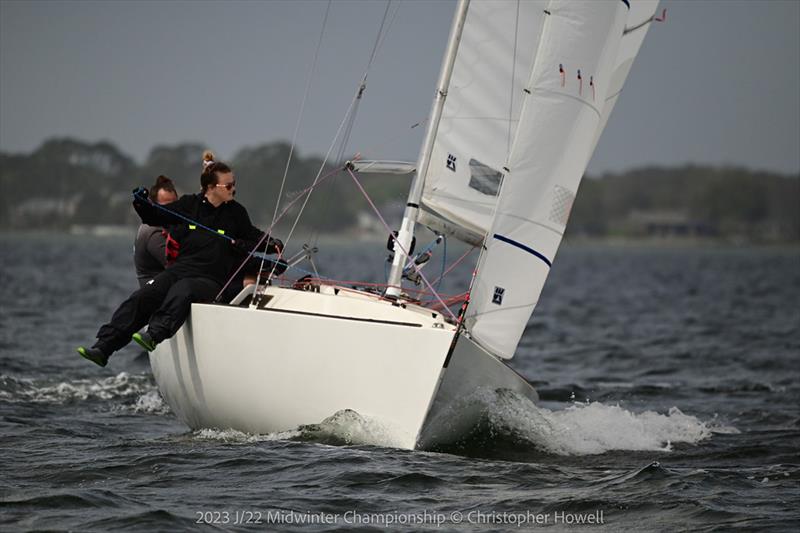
{"x": 456, "y": 517}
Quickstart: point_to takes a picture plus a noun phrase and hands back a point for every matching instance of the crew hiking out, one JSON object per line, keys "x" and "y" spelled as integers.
{"x": 201, "y": 268}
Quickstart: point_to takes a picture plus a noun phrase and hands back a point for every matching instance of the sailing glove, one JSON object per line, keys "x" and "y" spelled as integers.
{"x": 140, "y": 193}
{"x": 275, "y": 246}
{"x": 243, "y": 246}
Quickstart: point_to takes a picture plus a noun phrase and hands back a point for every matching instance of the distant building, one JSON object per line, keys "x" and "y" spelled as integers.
{"x": 668, "y": 224}
{"x": 368, "y": 224}
{"x": 44, "y": 211}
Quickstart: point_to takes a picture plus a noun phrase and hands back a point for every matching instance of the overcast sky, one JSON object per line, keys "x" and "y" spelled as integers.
{"x": 718, "y": 83}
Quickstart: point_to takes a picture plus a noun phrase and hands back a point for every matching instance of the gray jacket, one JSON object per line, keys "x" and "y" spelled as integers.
{"x": 149, "y": 253}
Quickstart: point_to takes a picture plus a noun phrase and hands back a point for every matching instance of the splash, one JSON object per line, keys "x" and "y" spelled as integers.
{"x": 349, "y": 427}
{"x": 123, "y": 386}
{"x": 596, "y": 428}
{"x": 152, "y": 403}
{"x": 345, "y": 427}
{"x": 582, "y": 428}
{"x": 233, "y": 436}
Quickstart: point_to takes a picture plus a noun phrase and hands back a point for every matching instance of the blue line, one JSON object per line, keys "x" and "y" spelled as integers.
{"x": 523, "y": 247}
{"x": 626, "y": 3}
{"x": 187, "y": 219}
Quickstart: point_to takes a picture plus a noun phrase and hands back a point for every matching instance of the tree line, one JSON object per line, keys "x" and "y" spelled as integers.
{"x": 67, "y": 182}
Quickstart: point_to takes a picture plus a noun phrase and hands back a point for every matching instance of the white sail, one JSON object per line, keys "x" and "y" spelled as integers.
{"x": 480, "y": 116}
{"x": 562, "y": 116}
{"x": 641, "y": 13}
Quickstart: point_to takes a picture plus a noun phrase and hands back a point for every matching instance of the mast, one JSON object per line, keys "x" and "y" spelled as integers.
{"x": 406, "y": 233}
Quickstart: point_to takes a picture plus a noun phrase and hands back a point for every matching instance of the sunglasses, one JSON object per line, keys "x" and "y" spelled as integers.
{"x": 228, "y": 186}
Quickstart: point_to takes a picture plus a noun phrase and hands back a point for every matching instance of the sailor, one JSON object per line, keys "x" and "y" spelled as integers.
{"x": 150, "y": 250}
{"x": 206, "y": 258}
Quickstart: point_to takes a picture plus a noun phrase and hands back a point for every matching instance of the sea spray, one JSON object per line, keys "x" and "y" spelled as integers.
{"x": 123, "y": 386}
{"x": 579, "y": 429}
{"x": 349, "y": 427}
{"x": 345, "y": 427}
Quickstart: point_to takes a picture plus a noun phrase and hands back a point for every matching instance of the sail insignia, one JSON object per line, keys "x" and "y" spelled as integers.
{"x": 497, "y": 298}
{"x": 451, "y": 162}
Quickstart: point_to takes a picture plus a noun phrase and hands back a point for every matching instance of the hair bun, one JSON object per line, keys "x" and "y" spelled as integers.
{"x": 208, "y": 158}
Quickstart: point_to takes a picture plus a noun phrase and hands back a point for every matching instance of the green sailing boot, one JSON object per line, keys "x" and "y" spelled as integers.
{"x": 95, "y": 355}
{"x": 145, "y": 341}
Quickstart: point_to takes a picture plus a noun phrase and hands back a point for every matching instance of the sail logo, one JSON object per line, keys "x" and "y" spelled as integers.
{"x": 451, "y": 162}
{"x": 497, "y": 298}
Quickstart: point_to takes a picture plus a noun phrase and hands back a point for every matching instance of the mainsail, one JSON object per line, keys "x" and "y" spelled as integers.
{"x": 481, "y": 114}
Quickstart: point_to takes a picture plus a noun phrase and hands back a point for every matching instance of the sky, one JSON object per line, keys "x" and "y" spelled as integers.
{"x": 717, "y": 83}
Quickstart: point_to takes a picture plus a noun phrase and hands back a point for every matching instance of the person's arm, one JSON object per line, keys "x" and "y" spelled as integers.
{"x": 152, "y": 215}
{"x": 249, "y": 235}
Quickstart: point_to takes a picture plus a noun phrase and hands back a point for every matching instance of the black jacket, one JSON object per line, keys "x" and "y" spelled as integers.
{"x": 203, "y": 253}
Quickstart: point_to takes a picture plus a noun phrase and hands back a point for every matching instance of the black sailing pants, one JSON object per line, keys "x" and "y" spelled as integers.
{"x": 163, "y": 304}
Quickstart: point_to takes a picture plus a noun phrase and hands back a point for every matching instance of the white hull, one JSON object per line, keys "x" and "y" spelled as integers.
{"x": 304, "y": 356}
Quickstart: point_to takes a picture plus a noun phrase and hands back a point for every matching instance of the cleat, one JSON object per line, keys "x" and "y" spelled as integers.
{"x": 145, "y": 341}
{"x": 95, "y": 355}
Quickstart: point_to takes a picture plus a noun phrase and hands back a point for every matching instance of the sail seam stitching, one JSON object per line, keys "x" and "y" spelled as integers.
{"x": 534, "y": 222}
{"x": 503, "y": 309}
{"x": 580, "y": 100}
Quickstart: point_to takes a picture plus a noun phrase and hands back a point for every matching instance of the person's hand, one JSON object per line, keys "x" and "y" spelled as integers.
{"x": 242, "y": 246}
{"x": 140, "y": 193}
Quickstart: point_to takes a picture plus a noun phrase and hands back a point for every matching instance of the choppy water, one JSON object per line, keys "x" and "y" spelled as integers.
{"x": 668, "y": 378}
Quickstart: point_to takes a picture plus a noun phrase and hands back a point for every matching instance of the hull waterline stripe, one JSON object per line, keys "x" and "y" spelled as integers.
{"x": 523, "y": 247}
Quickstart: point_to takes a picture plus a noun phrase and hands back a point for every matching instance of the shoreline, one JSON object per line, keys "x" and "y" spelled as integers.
{"x": 129, "y": 231}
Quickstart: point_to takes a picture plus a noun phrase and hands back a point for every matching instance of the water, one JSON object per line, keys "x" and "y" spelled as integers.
{"x": 669, "y": 401}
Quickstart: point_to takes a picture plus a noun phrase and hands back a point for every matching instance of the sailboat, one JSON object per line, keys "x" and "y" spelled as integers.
{"x": 525, "y": 90}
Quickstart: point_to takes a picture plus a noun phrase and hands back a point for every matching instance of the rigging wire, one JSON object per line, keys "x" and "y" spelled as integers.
{"x": 339, "y": 159}
{"x": 302, "y": 109}
{"x": 388, "y": 229}
{"x": 300, "y": 117}
{"x": 311, "y": 188}
{"x": 268, "y": 233}
{"x": 391, "y": 139}
{"x": 455, "y": 264}
{"x": 350, "y": 121}
{"x": 349, "y": 115}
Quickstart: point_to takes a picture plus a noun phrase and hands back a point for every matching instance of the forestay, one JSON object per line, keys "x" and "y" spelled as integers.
{"x": 580, "y": 61}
